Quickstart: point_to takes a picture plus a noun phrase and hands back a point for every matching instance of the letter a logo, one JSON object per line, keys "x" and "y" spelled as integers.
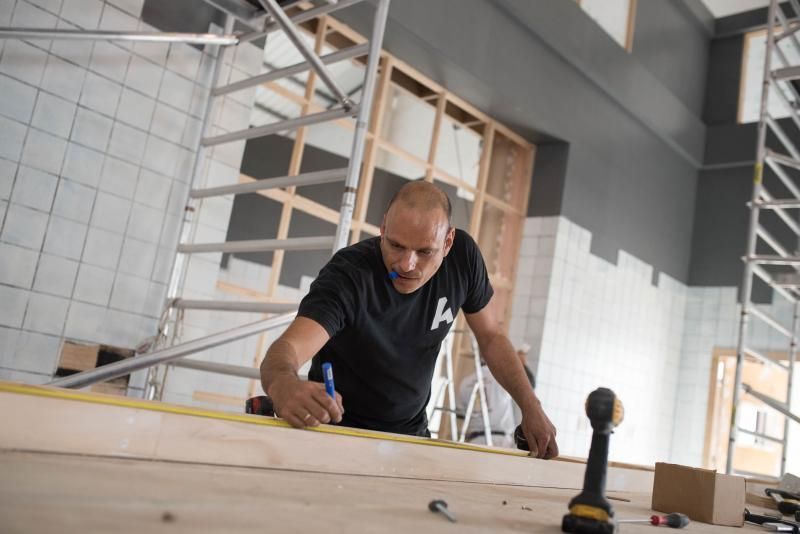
{"x": 442, "y": 314}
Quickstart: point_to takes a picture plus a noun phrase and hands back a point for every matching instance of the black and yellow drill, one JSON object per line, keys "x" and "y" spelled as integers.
{"x": 589, "y": 511}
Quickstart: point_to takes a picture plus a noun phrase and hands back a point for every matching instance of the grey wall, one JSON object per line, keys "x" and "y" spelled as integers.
{"x": 725, "y": 183}
{"x": 546, "y": 69}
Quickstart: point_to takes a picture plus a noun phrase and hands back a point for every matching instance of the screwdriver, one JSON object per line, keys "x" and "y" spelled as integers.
{"x": 674, "y": 520}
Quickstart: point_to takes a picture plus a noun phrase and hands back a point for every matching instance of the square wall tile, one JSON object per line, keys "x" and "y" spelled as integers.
{"x": 18, "y": 99}
{"x": 55, "y": 275}
{"x": 111, "y": 213}
{"x": 54, "y": 115}
{"x": 168, "y": 123}
{"x": 83, "y": 165}
{"x": 155, "y": 52}
{"x": 14, "y": 301}
{"x": 145, "y": 223}
{"x": 162, "y": 156}
{"x": 46, "y": 314}
{"x": 84, "y": 321}
{"x": 144, "y": 76}
{"x": 8, "y": 345}
{"x": 100, "y": 94}
{"x": 34, "y": 188}
{"x": 127, "y": 143}
{"x": 8, "y": 171}
{"x": 119, "y": 177}
{"x": 102, "y": 248}
{"x": 138, "y": 258}
{"x": 110, "y": 61}
{"x": 74, "y": 201}
{"x": 84, "y": 13}
{"x": 23, "y": 62}
{"x": 63, "y": 78}
{"x": 184, "y": 60}
{"x": 12, "y": 135}
{"x": 94, "y": 285}
{"x": 114, "y": 19}
{"x": 24, "y": 227}
{"x": 44, "y": 151}
{"x": 37, "y": 353}
{"x": 136, "y": 109}
{"x": 129, "y": 293}
{"x": 65, "y": 238}
{"x": 176, "y": 91}
{"x": 17, "y": 265}
{"x": 91, "y": 129}
{"x": 153, "y": 189}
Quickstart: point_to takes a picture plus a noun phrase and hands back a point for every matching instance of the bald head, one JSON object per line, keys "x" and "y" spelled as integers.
{"x": 422, "y": 196}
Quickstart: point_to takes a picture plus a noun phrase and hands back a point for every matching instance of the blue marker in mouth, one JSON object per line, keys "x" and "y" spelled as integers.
{"x": 393, "y": 275}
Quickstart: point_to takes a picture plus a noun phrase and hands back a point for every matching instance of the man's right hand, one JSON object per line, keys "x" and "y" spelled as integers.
{"x": 303, "y": 403}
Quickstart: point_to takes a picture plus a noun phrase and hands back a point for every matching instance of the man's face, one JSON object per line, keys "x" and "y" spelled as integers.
{"x": 413, "y": 244}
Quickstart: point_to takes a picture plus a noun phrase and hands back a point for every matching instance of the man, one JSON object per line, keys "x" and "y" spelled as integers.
{"x": 378, "y": 312}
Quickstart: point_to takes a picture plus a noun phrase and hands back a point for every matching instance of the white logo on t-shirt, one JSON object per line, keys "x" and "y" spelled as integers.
{"x": 442, "y": 314}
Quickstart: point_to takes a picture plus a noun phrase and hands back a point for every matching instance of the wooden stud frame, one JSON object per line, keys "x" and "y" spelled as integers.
{"x": 398, "y": 75}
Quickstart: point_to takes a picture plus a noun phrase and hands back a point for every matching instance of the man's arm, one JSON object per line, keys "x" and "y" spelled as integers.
{"x": 299, "y": 402}
{"x": 505, "y": 366}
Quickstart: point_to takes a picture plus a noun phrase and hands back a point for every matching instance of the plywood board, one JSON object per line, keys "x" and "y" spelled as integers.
{"x": 158, "y": 431}
{"x": 45, "y": 492}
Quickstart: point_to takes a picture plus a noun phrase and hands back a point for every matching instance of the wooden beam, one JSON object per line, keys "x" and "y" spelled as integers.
{"x": 437, "y": 128}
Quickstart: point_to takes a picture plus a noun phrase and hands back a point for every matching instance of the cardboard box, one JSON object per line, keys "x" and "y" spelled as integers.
{"x": 702, "y": 494}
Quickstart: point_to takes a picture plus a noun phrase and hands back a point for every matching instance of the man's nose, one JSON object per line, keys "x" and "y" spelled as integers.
{"x": 409, "y": 261}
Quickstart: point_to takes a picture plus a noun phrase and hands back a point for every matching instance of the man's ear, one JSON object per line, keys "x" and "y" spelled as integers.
{"x": 383, "y": 226}
{"x": 448, "y": 240}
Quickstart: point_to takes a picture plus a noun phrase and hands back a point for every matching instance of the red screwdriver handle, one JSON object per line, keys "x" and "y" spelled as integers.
{"x": 674, "y": 520}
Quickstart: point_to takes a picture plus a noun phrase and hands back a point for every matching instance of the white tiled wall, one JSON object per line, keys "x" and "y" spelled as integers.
{"x": 96, "y": 150}
{"x": 592, "y": 323}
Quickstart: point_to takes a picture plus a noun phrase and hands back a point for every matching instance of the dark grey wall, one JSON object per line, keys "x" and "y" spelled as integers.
{"x": 632, "y": 122}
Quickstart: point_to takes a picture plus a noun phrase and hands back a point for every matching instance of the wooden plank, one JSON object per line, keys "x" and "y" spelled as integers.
{"x": 61, "y": 493}
{"x": 631, "y": 26}
{"x": 158, "y": 431}
{"x": 437, "y": 128}
{"x": 78, "y": 357}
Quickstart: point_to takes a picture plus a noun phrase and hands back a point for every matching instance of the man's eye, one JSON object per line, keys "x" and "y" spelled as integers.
{"x": 395, "y": 245}
{"x": 426, "y": 252}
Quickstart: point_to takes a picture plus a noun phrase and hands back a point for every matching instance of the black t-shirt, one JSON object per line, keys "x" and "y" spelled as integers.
{"x": 383, "y": 343}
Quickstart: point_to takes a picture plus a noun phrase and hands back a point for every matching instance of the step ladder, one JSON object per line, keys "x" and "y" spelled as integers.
{"x": 269, "y": 15}
{"x": 445, "y": 385}
{"x": 771, "y": 268}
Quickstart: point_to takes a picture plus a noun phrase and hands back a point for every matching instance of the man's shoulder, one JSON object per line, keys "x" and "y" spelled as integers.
{"x": 464, "y": 245}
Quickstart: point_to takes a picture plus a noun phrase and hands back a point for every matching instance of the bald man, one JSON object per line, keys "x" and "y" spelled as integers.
{"x": 378, "y": 312}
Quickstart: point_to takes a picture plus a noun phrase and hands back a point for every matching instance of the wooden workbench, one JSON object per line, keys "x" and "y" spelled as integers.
{"x": 75, "y": 462}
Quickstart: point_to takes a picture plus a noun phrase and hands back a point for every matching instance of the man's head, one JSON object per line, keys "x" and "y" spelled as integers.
{"x": 416, "y": 234}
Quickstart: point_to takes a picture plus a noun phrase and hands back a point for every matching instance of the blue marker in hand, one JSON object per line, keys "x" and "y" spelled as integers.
{"x": 327, "y": 375}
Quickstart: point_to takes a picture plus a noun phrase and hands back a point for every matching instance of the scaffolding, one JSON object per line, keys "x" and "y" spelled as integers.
{"x": 261, "y": 18}
{"x": 780, "y": 270}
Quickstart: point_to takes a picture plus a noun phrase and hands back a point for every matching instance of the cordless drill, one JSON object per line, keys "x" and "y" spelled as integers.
{"x": 589, "y": 511}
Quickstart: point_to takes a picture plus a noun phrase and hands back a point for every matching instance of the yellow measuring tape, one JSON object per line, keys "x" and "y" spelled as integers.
{"x": 127, "y": 402}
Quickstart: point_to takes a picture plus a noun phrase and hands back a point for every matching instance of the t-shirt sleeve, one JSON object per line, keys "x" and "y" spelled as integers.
{"x": 331, "y": 299}
{"x": 479, "y": 289}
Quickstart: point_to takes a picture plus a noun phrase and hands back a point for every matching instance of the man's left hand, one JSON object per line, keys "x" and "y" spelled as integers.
{"x": 540, "y": 432}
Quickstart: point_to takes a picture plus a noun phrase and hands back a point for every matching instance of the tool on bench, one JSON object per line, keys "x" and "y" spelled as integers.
{"x": 589, "y": 511}
{"x": 261, "y": 405}
{"x": 674, "y": 520}
{"x": 770, "y": 521}
{"x": 438, "y": 505}
{"x": 788, "y": 503}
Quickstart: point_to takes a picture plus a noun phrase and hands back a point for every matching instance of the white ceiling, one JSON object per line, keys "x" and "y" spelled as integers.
{"x": 723, "y": 8}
